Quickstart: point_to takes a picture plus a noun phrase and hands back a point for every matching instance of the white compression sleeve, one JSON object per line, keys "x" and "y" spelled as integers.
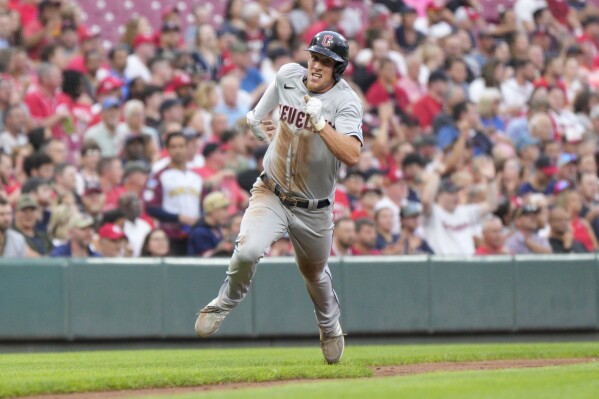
{"x": 268, "y": 102}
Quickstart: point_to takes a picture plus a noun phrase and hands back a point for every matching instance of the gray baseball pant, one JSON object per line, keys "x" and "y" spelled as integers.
{"x": 311, "y": 232}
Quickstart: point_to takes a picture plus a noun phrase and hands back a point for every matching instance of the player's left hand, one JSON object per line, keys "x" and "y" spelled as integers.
{"x": 314, "y": 111}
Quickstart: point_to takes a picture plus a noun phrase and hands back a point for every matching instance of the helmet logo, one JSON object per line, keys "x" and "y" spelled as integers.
{"x": 327, "y": 40}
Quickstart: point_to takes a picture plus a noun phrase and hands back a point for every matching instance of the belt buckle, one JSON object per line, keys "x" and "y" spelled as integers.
{"x": 290, "y": 201}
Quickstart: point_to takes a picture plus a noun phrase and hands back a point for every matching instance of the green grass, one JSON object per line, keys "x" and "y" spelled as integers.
{"x": 28, "y": 374}
{"x": 572, "y": 382}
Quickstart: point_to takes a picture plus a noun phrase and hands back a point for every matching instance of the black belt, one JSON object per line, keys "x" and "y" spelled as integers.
{"x": 289, "y": 200}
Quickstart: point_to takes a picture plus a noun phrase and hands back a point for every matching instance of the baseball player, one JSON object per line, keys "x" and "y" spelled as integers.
{"x": 320, "y": 126}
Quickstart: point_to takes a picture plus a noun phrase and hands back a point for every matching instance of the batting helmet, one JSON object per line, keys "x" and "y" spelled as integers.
{"x": 334, "y": 46}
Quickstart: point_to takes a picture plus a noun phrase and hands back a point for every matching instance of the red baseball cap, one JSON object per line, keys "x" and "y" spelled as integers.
{"x": 143, "y": 38}
{"x": 109, "y": 84}
{"x": 174, "y": 9}
{"x": 334, "y": 4}
{"x": 87, "y": 34}
{"x": 181, "y": 80}
{"x": 111, "y": 231}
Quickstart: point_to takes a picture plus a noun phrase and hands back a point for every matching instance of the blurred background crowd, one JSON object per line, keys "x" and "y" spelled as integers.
{"x": 122, "y": 126}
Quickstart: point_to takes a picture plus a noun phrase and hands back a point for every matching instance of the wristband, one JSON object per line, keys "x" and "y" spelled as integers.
{"x": 320, "y": 124}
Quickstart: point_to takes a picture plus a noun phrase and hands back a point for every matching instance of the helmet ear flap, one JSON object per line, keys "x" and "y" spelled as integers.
{"x": 339, "y": 70}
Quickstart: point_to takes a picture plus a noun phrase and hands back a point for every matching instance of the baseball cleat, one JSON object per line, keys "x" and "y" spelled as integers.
{"x": 332, "y": 344}
{"x": 209, "y": 320}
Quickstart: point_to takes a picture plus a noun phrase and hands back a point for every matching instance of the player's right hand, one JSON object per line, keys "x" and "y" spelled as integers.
{"x": 256, "y": 127}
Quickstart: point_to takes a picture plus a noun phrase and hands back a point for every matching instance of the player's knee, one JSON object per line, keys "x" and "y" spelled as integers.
{"x": 247, "y": 254}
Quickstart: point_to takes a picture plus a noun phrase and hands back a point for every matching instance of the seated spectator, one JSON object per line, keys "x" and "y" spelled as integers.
{"x": 580, "y": 227}
{"x": 368, "y": 200}
{"x": 542, "y": 181}
{"x": 410, "y": 240}
{"x": 112, "y": 241}
{"x": 493, "y": 242}
{"x": 81, "y": 233}
{"x": 58, "y": 226}
{"x": 156, "y": 244}
{"x": 206, "y": 237}
{"x": 383, "y": 219}
{"x": 561, "y": 238}
{"x": 365, "y": 243}
{"x": 25, "y": 219}
{"x": 344, "y": 237}
{"x": 14, "y": 119}
{"x": 281, "y": 247}
{"x": 526, "y": 239}
{"x": 14, "y": 243}
{"x": 110, "y": 171}
{"x": 41, "y": 191}
{"x": 40, "y": 165}
{"x": 135, "y": 227}
{"x": 93, "y": 203}
{"x": 431, "y": 104}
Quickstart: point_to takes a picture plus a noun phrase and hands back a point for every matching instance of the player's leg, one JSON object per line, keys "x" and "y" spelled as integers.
{"x": 263, "y": 222}
{"x": 311, "y": 234}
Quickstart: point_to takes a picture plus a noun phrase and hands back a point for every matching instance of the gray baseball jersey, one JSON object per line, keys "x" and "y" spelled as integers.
{"x": 297, "y": 159}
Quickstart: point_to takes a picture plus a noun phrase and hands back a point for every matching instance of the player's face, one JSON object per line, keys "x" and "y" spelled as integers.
{"x": 320, "y": 73}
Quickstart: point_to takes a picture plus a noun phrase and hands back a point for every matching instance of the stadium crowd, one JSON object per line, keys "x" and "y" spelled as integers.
{"x": 480, "y": 135}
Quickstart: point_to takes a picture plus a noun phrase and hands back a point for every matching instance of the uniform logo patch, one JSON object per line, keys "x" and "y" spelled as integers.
{"x": 327, "y": 40}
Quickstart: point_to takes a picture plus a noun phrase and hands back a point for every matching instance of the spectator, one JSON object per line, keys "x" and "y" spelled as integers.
{"x": 56, "y": 150}
{"x": 106, "y": 134}
{"x": 542, "y": 181}
{"x": 526, "y": 239}
{"x": 81, "y": 232}
{"x": 58, "y": 226}
{"x": 25, "y": 219}
{"x": 493, "y": 242}
{"x": 172, "y": 195}
{"x": 431, "y": 104}
{"x": 39, "y": 165}
{"x": 13, "y": 120}
{"x": 88, "y": 172}
{"x": 41, "y": 191}
{"x": 110, "y": 170}
{"x": 43, "y": 102}
{"x": 135, "y": 177}
{"x": 365, "y": 243}
{"x": 144, "y": 49}
{"x": 156, "y": 244}
{"x": 113, "y": 241}
{"x": 385, "y": 239}
{"x": 231, "y": 103}
{"x": 135, "y": 228}
{"x": 206, "y": 237}
{"x": 447, "y": 224}
{"x": 410, "y": 240}
{"x": 14, "y": 243}
{"x": 344, "y": 237}
{"x": 93, "y": 200}
{"x": 516, "y": 91}
{"x": 65, "y": 182}
{"x": 581, "y": 229}
{"x": 561, "y": 238}
{"x": 387, "y": 88}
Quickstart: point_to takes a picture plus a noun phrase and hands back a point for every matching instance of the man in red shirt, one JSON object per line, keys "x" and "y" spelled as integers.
{"x": 386, "y": 88}
{"x": 493, "y": 238}
{"x": 365, "y": 238}
{"x": 43, "y": 29}
{"x": 431, "y": 104}
{"x": 43, "y": 102}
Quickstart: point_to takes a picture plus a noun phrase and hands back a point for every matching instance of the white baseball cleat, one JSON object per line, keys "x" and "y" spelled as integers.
{"x": 332, "y": 344}
{"x": 209, "y": 320}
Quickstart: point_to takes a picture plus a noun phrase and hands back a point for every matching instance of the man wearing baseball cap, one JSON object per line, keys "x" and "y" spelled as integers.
{"x": 144, "y": 49}
{"x": 109, "y": 138}
{"x": 25, "y": 219}
{"x": 81, "y": 233}
{"x": 207, "y": 238}
{"x": 112, "y": 241}
{"x": 543, "y": 180}
{"x": 526, "y": 239}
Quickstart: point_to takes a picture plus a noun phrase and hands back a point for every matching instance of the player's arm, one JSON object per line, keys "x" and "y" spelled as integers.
{"x": 345, "y": 147}
{"x": 267, "y": 103}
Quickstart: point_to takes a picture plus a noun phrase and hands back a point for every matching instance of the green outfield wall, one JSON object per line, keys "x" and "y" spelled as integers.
{"x": 71, "y": 299}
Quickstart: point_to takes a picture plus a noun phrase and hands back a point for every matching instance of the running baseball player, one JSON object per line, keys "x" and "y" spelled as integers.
{"x": 320, "y": 126}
